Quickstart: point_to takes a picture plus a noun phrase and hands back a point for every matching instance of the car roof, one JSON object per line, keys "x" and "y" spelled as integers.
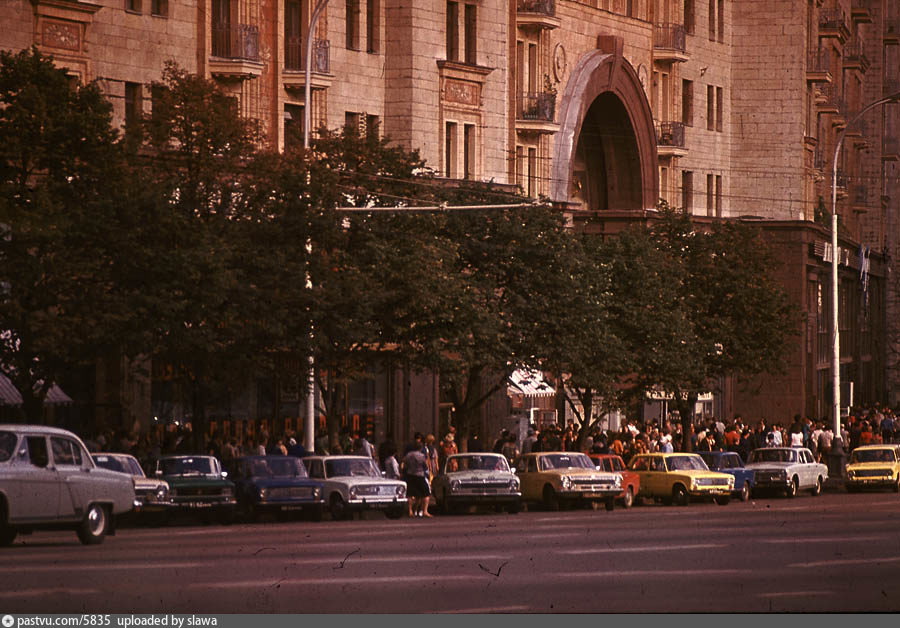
{"x": 112, "y": 454}
{"x": 336, "y": 457}
{"x": 174, "y": 456}
{"x": 36, "y": 429}
{"x": 879, "y": 446}
{"x": 478, "y": 453}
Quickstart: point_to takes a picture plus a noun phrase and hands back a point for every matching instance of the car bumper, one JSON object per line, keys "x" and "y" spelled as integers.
{"x": 197, "y": 504}
{"x": 148, "y": 507}
{"x": 288, "y": 504}
{"x": 591, "y": 494}
{"x": 711, "y": 492}
{"x": 779, "y": 484}
{"x": 376, "y": 503}
{"x": 490, "y": 498}
{"x": 877, "y": 482}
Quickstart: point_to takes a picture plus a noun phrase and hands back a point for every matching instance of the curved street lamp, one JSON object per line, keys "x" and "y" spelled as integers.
{"x": 836, "y": 349}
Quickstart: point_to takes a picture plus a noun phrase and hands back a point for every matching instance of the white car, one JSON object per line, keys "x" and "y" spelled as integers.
{"x": 477, "y": 478}
{"x": 150, "y": 494}
{"x": 354, "y": 483}
{"x": 787, "y": 469}
{"x": 48, "y": 480}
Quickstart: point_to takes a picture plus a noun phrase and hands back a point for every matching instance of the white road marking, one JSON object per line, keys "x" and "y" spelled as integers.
{"x": 256, "y": 584}
{"x": 43, "y": 592}
{"x": 644, "y": 548}
{"x": 848, "y": 561}
{"x": 831, "y": 539}
{"x": 650, "y": 573}
{"x": 796, "y": 594}
{"x": 485, "y": 610}
{"x": 64, "y": 566}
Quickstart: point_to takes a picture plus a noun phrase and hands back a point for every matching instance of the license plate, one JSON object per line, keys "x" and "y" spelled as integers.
{"x": 292, "y": 508}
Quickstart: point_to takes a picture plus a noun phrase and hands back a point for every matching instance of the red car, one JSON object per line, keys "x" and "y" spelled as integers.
{"x": 631, "y": 482}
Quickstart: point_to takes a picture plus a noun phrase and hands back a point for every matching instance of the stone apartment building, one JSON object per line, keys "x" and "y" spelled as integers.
{"x": 728, "y": 108}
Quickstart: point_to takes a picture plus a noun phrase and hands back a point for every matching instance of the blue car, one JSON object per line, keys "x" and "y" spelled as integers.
{"x": 731, "y": 463}
{"x": 277, "y": 484}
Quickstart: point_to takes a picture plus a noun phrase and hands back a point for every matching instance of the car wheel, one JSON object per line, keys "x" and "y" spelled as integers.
{"x": 794, "y": 488}
{"x": 745, "y": 492}
{"x": 7, "y": 536}
{"x": 551, "y": 501}
{"x": 628, "y": 499}
{"x": 611, "y": 504}
{"x": 680, "y": 495}
{"x": 722, "y": 500}
{"x": 338, "y": 508}
{"x": 817, "y": 489}
{"x": 93, "y": 527}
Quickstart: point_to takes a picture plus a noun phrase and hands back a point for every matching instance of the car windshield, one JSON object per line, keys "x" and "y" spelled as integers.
{"x": 565, "y": 461}
{"x": 686, "y": 463}
{"x": 8, "y": 442}
{"x": 275, "y": 467}
{"x": 773, "y": 455}
{"x": 872, "y": 455}
{"x": 709, "y": 459}
{"x": 122, "y": 464}
{"x": 477, "y": 463}
{"x": 360, "y": 467}
{"x": 187, "y": 466}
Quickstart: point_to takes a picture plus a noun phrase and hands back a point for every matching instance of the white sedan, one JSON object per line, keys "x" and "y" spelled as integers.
{"x": 787, "y": 469}
{"x": 354, "y": 483}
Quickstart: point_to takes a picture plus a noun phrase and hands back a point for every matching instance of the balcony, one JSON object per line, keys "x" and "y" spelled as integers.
{"x": 861, "y": 12}
{"x": 818, "y": 67}
{"x": 294, "y": 75}
{"x": 828, "y": 99}
{"x": 669, "y": 43}
{"x": 539, "y": 14}
{"x": 891, "y": 30}
{"x": 235, "y": 51}
{"x": 833, "y": 23}
{"x": 855, "y": 55}
{"x": 670, "y": 139}
{"x": 536, "y": 112}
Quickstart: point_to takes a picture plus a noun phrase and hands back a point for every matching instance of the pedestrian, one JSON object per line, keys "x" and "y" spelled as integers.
{"x": 415, "y": 468}
{"x": 510, "y": 450}
{"x": 447, "y": 449}
{"x": 389, "y": 464}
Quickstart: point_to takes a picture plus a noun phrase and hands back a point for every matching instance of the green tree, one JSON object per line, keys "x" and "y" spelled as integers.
{"x": 60, "y": 213}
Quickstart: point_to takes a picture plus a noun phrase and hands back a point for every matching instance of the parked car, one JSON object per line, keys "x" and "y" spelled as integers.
{"x": 354, "y": 483}
{"x": 874, "y": 466}
{"x": 631, "y": 482}
{"x": 151, "y": 495}
{"x": 787, "y": 469}
{"x": 48, "y": 480}
{"x": 731, "y": 463}
{"x": 477, "y": 479}
{"x": 563, "y": 477}
{"x": 276, "y": 484}
{"x": 199, "y": 486}
{"x": 680, "y": 477}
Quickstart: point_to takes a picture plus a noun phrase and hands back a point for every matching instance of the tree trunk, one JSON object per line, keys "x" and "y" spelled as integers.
{"x": 685, "y": 405}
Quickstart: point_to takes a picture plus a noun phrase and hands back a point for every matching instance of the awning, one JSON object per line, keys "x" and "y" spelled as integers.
{"x": 9, "y": 396}
{"x": 530, "y": 384}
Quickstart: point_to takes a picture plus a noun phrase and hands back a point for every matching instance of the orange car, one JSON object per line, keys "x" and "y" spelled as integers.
{"x": 631, "y": 481}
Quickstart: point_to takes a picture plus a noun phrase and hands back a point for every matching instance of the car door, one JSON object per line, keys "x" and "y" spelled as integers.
{"x": 529, "y": 477}
{"x": 77, "y": 487}
{"x": 38, "y": 487}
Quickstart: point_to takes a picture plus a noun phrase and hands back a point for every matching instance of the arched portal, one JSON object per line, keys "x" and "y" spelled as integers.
{"x": 605, "y": 151}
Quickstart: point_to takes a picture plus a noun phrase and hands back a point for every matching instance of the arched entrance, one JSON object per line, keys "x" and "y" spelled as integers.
{"x": 605, "y": 151}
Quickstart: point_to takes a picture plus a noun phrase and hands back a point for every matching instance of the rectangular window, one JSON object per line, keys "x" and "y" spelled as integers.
{"x": 452, "y": 31}
{"x": 687, "y": 190}
{"x": 373, "y": 25}
{"x": 721, "y": 10}
{"x": 712, "y": 20}
{"x": 687, "y": 102}
{"x": 133, "y": 6}
{"x": 710, "y": 108}
{"x": 352, "y": 122}
{"x": 720, "y": 101}
{"x": 293, "y": 126}
{"x": 468, "y": 151}
{"x": 133, "y": 105}
{"x": 532, "y": 172}
{"x": 718, "y": 196}
{"x": 352, "y": 25}
{"x": 373, "y": 124}
{"x": 450, "y": 150}
{"x": 520, "y": 166}
{"x": 293, "y": 35}
{"x": 222, "y": 13}
{"x": 629, "y": 8}
{"x": 471, "y": 34}
{"x": 532, "y": 68}
{"x": 710, "y": 192}
{"x": 664, "y": 184}
{"x": 689, "y": 16}
{"x": 159, "y": 8}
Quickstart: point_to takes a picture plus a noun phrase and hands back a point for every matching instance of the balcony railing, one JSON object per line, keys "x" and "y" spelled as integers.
{"x": 544, "y": 7}
{"x": 855, "y": 52}
{"x": 537, "y": 106}
{"x": 295, "y": 48}
{"x": 670, "y": 134}
{"x": 831, "y": 99}
{"x": 236, "y": 41}
{"x": 818, "y": 62}
{"x": 833, "y": 19}
{"x": 669, "y": 37}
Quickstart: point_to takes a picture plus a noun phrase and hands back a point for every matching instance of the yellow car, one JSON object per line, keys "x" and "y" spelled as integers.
{"x": 874, "y": 466}
{"x": 555, "y": 477}
{"x": 676, "y": 478}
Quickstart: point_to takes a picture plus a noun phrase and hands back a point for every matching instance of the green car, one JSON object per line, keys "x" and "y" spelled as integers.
{"x": 198, "y": 485}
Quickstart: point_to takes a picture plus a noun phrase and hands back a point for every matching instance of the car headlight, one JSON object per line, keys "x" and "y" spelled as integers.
{"x": 693, "y": 484}
{"x": 263, "y": 493}
{"x": 317, "y": 493}
{"x": 454, "y": 485}
{"x": 162, "y": 493}
{"x": 566, "y": 482}
{"x": 352, "y": 492}
{"x": 401, "y": 491}
{"x": 618, "y": 482}
{"x": 514, "y": 484}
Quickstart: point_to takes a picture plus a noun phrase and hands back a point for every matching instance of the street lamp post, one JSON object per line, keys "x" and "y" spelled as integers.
{"x": 309, "y": 421}
{"x": 836, "y": 348}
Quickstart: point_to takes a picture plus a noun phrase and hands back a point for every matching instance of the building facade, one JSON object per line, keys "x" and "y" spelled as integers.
{"x": 729, "y": 109}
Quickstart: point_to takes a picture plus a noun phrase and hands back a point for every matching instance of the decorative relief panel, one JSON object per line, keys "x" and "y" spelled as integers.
{"x": 462, "y": 92}
{"x": 61, "y": 35}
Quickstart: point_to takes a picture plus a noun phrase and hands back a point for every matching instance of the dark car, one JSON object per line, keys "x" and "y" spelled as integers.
{"x": 277, "y": 484}
{"x": 731, "y": 463}
{"x": 198, "y": 486}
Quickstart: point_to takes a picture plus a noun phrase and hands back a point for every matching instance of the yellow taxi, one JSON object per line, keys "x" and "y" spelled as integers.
{"x": 874, "y": 466}
{"x": 679, "y": 477}
{"x": 567, "y": 477}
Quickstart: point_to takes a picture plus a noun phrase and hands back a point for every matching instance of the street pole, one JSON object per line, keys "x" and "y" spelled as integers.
{"x": 836, "y": 349}
{"x": 309, "y": 425}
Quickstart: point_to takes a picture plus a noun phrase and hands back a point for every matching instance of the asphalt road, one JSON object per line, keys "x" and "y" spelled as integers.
{"x": 837, "y": 552}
